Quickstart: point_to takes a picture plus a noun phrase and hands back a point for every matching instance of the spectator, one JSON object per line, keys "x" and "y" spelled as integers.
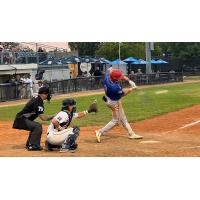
{"x": 23, "y": 89}
{"x": 18, "y": 84}
{"x": 157, "y": 75}
{"x": 139, "y": 71}
{"x": 37, "y": 87}
{"x": 29, "y": 83}
{"x": 97, "y": 74}
{"x": 132, "y": 76}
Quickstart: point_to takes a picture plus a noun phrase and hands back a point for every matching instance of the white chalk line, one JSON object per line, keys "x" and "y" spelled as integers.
{"x": 184, "y": 126}
{"x": 149, "y": 142}
{"x": 194, "y": 147}
{"x": 191, "y": 124}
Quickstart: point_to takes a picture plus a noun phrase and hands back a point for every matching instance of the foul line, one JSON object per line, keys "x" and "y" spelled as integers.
{"x": 185, "y": 126}
{"x": 191, "y": 124}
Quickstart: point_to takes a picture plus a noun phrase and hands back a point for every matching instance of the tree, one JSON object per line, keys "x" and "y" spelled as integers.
{"x": 85, "y": 48}
{"x": 110, "y": 50}
{"x": 181, "y": 50}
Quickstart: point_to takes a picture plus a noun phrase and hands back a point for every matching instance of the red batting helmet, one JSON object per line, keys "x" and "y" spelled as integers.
{"x": 115, "y": 75}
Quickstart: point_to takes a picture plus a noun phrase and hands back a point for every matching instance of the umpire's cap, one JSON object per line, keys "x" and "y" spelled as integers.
{"x": 44, "y": 90}
{"x": 68, "y": 102}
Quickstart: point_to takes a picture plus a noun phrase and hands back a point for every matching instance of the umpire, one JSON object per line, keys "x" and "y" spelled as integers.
{"x": 25, "y": 119}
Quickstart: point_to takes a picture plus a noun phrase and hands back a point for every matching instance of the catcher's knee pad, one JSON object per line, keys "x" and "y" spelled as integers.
{"x": 71, "y": 140}
{"x": 76, "y": 131}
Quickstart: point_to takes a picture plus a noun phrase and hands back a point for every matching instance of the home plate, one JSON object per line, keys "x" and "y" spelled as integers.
{"x": 161, "y": 92}
{"x": 149, "y": 142}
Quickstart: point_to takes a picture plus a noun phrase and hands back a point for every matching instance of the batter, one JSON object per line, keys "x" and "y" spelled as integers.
{"x": 113, "y": 95}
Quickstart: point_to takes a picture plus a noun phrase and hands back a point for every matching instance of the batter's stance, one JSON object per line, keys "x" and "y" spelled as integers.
{"x": 113, "y": 95}
{"x": 25, "y": 119}
{"x": 58, "y": 133}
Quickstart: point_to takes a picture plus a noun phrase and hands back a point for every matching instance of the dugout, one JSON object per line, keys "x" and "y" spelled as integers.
{"x": 52, "y": 72}
{"x": 8, "y": 71}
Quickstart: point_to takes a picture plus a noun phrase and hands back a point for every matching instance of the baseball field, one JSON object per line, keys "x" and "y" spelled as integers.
{"x": 167, "y": 116}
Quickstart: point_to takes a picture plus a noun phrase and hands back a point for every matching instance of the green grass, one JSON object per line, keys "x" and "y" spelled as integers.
{"x": 139, "y": 105}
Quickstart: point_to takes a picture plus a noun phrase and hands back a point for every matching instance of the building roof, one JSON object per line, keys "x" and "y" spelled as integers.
{"x": 17, "y": 68}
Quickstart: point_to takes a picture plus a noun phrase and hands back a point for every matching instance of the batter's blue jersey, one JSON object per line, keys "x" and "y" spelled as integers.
{"x": 113, "y": 90}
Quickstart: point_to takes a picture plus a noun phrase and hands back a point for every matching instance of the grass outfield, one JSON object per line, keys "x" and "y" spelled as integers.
{"x": 142, "y": 104}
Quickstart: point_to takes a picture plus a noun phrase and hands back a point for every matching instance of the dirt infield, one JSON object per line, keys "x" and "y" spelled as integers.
{"x": 163, "y": 136}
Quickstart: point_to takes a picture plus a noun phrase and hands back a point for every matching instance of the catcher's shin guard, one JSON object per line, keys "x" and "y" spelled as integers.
{"x": 70, "y": 143}
{"x": 76, "y": 131}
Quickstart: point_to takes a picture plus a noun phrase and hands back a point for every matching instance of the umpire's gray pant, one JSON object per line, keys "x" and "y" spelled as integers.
{"x": 35, "y": 132}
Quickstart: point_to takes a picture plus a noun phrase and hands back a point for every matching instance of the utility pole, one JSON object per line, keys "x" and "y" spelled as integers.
{"x": 148, "y": 47}
{"x": 119, "y": 51}
{"x": 36, "y": 50}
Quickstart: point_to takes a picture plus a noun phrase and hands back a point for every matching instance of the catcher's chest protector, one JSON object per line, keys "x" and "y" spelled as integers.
{"x": 67, "y": 123}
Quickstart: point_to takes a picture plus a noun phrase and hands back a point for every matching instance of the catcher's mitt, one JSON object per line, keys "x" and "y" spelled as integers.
{"x": 93, "y": 107}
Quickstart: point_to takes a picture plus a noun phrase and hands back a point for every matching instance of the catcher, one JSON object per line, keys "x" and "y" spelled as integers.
{"x": 113, "y": 95}
{"x": 59, "y": 135}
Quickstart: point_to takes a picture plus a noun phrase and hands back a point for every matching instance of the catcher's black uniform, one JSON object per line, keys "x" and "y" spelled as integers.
{"x": 25, "y": 120}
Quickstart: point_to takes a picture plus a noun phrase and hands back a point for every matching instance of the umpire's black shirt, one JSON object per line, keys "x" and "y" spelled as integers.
{"x": 31, "y": 111}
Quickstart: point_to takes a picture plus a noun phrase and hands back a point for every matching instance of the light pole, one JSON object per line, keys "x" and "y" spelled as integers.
{"x": 119, "y": 51}
{"x": 148, "y": 47}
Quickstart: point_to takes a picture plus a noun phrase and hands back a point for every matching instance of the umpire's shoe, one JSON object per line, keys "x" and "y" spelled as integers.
{"x": 34, "y": 148}
{"x": 67, "y": 148}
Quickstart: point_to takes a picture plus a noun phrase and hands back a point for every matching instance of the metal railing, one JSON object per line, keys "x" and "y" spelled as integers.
{"x": 93, "y": 83}
{"x": 23, "y": 57}
{"x": 13, "y": 91}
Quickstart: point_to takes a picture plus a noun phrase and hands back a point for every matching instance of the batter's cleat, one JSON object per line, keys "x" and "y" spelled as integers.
{"x": 135, "y": 136}
{"x": 98, "y": 136}
{"x": 67, "y": 148}
{"x": 34, "y": 148}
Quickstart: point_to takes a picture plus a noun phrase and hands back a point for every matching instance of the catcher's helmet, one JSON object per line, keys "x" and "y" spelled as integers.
{"x": 115, "y": 75}
{"x": 68, "y": 102}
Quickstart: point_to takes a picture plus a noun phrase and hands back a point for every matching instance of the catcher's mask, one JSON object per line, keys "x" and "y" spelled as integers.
{"x": 68, "y": 102}
{"x": 45, "y": 90}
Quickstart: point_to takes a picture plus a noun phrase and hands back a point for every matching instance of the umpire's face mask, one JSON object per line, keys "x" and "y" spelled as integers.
{"x": 49, "y": 97}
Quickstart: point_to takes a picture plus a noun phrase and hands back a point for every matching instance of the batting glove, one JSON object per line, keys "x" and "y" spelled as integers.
{"x": 133, "y": 85}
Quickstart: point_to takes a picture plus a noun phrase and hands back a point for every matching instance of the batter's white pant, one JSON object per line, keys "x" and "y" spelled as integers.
{"x": 118, "y": 117}
{"x": 58, "y": 137}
